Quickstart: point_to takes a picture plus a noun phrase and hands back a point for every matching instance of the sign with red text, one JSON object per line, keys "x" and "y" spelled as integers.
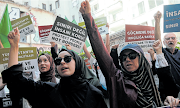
{"x": 141, "y": 35}
{"x": 65, "y": 32}
{"x": 44, "y": 33}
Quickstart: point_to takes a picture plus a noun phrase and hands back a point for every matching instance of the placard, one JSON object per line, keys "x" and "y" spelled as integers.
{"x": 65, "y": 32}
{"x": 44, "y": 33}
{"x": 172, "y": 18}
{"x": 141, "y": 35}
{"x": 24, "y": 25}
{"x": 26, "y": 55}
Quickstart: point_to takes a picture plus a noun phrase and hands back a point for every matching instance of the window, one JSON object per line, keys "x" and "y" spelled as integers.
{"x": 154, "y": 3}
{"x": 135, "y": 11}
{"x": 96, "y": 7}
{"x": 73, "y": 17}
{"x": 44, "y": 6}
{"x": 153, "y": 23}
{"x": 159, "y": 2}
{"x": 141, "y": 7}
{"x": 80, "y": 17}
{"x": 26, "y": 3}
{"x": 151, "y": 4}
{"x": 174, "y": 1}
{"x": 50, "y": 7}
{"x": 57, "y": 4}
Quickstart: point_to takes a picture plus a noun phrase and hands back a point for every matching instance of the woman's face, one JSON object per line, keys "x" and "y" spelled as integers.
{"x": 132, "y": 64}
{"x": 66, "y": 69}
{"x": 43, "y": 64}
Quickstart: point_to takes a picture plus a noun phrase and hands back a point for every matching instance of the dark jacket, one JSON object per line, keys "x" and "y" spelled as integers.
{"x": 48, "y": 94}
{"x": 123, "y": 93}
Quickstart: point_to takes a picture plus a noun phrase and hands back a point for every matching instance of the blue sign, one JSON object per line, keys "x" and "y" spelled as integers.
{"x": 172, "y": 18}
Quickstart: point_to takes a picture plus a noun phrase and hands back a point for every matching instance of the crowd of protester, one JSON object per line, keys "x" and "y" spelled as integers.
{"x": 124, "y": 81}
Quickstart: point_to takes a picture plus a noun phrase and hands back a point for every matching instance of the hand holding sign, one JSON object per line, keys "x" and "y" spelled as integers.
{"x": 14, "y": 37}
{"x": 158, "y": 46}
{"x": 68, "y": 46}
{"x": 157, "y": 16}
{"x": 52, "y": 44}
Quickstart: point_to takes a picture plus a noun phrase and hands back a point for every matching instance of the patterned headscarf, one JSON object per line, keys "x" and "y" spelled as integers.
{"x": 143, "y": 79}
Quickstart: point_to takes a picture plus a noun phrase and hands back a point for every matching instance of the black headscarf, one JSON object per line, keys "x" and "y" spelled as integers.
{"x": 75, "y": 87}
{"x": 143, "y": 79}
{"x": 82, "y": 73}
{"x": 49, "y": 75}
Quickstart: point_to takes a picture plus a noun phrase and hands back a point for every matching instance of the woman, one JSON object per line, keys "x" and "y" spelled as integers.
{"x": 132, "y": 86}
{"x": 47, "y": 68}
{"x": 74, "y": 91}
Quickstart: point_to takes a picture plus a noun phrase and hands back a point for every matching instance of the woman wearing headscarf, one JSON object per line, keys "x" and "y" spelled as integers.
{"x": 131, "y": 87}
{"x": 47, "y": 68}
{"x": 74, "y": 91}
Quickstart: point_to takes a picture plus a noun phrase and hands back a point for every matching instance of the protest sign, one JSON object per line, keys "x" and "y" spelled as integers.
{"x": 141, "y": 35}
{"x": 101, "y": 24}
{"x": 171, "y": 18}
{"x": 44, "y": 33}
{"x": 24, "y": 25}
{"x": 26, "y": 55}
{"x": 65, "y": 32}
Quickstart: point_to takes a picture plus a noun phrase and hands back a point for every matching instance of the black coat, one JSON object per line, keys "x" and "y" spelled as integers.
{"x": 51, "y": 95}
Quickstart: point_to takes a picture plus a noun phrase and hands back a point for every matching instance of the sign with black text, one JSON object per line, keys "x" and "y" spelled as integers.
{"x": 24, "y": 25}
{"x": 101, "y": 24}
{"x": 26, "y": 55}
{"x": 65, "y": 32}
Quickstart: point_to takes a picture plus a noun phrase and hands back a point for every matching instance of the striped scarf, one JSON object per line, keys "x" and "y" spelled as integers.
{"x": 142, "y": 77}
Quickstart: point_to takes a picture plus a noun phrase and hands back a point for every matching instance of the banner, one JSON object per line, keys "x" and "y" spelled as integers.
{"x": 171, "y": 18}
{"x": 26, "y": 55}
{"x": 65, "y": 32}
{"x": 24, "y": 25}
{"x": 141, "y": 35}
{"x": 101, "y": 24}
{"x": 5, "y": 28}
{"x": 44, "y": 33}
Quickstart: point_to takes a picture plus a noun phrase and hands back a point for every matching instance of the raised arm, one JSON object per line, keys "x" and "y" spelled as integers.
{"x": 157, "y": 18}
{"x": 1, "y": 45}
{"x": 102, "y": 55}
{"x": 13, "y": 38}
{"x": 107, "y": 39}
{"x": 53, "y": 50}
{"x": 87, "y": 53}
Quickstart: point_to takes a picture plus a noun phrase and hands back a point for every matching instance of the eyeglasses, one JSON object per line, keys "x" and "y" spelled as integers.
{"x": 67, "y": 59}
{"x": 173, "y": 38}
{"x": 131, "y": 56}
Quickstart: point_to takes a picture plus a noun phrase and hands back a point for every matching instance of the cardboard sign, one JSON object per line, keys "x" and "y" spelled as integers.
{"x": 24, "y": 25}
{"x": 44, "y": 33}
{"x": 172, "y": 18}
{"x": 101, "y": 24}
{"x": 65, "y": 32}
{"x": 27, "y": 56}
{"x": 141, "y": 35}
